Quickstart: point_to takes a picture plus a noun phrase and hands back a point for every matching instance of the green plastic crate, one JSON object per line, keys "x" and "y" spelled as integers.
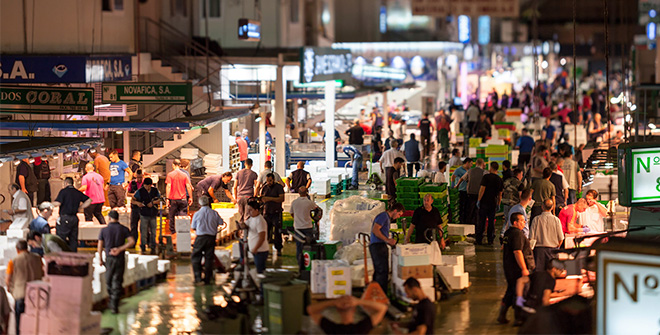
{"x": 413, "y": 182}
{"x": 407, "y": 195}
{"x": 407, "y": 189}
{"x": 433, "y": 187}
{"x": 284, "y": 307}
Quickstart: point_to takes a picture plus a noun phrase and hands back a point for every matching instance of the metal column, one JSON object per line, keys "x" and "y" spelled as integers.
{"x": 330, "y": 123}
{"x": 280, "y": 118}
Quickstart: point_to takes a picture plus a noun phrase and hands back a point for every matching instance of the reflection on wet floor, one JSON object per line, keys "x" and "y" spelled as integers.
{"x": 176, "y": 306}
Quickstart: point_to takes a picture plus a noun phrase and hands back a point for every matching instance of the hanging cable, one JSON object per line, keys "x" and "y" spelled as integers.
{"x": 607, "y": 72}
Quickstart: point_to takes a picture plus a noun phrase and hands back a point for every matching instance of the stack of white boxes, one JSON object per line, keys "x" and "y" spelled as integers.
{"x": 453, "y": 272}
{"x": 455, "y": 229}
{"x": 183, "y": 238}
{"x": 148, "y": 266}
{"x": 213, "y": 164}
{"x": 189, "y": 153}
{"x": 322, "y": 280}
{"x": 413, "y": 260}
{"x": 62, "y": 304}
{"x": 320, "y": 184}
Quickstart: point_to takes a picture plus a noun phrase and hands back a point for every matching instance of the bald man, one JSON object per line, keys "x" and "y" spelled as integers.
{"x": 547, "y": 232}
{"x": 92, "y": 185}
{"x": 302, "y": 222}
{"x": 298, "y": 178}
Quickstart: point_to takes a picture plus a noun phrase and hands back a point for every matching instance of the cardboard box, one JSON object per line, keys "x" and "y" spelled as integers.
{"x": 416, "y": 249}
{"x": 30, "y": 324}
{"x": 183, "y": 242}
{"x": 419, "y": 271}
{"x": 460, "y": 229}
{"x": 182, "y": 224}
{"x": 449, "y": 270}
{"x": 37, "y": 298}
{"x": 88, "y": 324}
{"x": 459, "y": 282}
{"x": 338, "y": 281}
{"x": 318, "y": 274}
{"x": 70, "y": 296}
{"x": 455, "y": 260}
{"x": 414, "y": 260}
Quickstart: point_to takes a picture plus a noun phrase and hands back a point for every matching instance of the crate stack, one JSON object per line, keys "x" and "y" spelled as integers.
{"x": 234, "y": 158}
{"x": 454, "y": 205}
{"x": 453, "y": 271}
{"x": 413, "y": 260}
{"x": 497, "y": 153}
{"x": 407, "y": 192}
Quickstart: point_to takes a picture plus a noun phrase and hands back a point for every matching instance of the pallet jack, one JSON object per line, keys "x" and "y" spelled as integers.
{"x": 309, "y": 242}
{"x": 243, "y": 285}
{"x": 164, "y": 248}
{"x": 374, "y": 180}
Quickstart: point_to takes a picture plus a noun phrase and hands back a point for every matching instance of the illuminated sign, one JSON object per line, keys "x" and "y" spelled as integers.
{"x": 378, "y": 72}
{"x": 484, "y": 29}
{"x": 249, "y": 30}
{"x": 464, "y": 29}
{"x": 19, "y": 69}
{"x": 323, "y": 64}
{"x": 639, "y": 174}
{"x": 628, "y": 287}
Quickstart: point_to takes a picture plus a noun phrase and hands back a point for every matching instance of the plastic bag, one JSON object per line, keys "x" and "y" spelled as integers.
{"x": 351, "y": 253}
{"x": 351, "y": 216}
{"x": 436, "y": 254}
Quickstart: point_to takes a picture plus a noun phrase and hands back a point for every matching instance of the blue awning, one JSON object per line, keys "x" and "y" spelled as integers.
{"x": 94, "y": 125}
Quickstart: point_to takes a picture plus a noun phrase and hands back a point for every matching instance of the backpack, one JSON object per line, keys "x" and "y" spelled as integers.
{"x": 31, "y": 182}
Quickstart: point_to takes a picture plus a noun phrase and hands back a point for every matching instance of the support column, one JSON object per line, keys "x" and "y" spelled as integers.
{"x": 127, "y": 144}
{"x": 262, "y": 139}
{"x": 330, "y": 124}
{"x": 226, "y": 165}
{"x": 386, "y": 118}
{"x": 280, "y": 118}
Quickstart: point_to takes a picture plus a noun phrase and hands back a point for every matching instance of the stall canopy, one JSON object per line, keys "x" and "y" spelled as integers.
{"x": 20, "y": 147}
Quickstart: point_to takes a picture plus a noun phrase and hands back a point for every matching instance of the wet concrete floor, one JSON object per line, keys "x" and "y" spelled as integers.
{"x": 176, "y": 306}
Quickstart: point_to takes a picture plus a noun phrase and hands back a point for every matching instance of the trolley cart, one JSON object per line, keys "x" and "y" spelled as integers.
{"x": 374, "y": 180}
{"x": 439, "y": 281}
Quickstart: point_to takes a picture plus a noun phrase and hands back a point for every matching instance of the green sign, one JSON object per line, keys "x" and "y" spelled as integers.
{"x": 147, "y": 93}
{"x": 46, "y": 100}
{"x": 639, "y": 174}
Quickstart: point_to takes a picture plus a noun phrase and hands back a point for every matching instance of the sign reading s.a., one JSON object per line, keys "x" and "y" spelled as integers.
{"x": 17, "y": 71}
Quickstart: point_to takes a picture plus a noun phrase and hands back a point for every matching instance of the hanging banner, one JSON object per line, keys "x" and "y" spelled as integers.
{"x": 323, "y": 64}
{"x": 444, "y": 8}
{"x": 19, "y": 69}
{"x": 147, "y": 93}
{"x": 46, "y": 100}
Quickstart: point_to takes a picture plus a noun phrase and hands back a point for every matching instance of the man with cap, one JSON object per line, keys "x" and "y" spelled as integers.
{"x": 205, "y": 222}
{"x": 43, "y": 244}
{"x": 147, "y": 199}
{"x": 242, "y": 148}
{"x": 114, "y": 239}
{"x": 70, "y": 201}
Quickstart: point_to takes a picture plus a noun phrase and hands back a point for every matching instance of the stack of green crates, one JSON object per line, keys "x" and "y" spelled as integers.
{"x": 454, "y": 203}
{"x": 336, "y": 189}
{"x": 407, "y": 192}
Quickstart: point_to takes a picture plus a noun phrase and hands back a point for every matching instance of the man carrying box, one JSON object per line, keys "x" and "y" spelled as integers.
{"x": 114, "y": 239}
{"x": 380, "y": 238}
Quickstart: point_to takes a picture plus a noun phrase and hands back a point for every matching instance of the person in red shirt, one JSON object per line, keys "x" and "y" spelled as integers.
{"x": 568, "y": 217}
{"x": 178, "y": 192}
{"x": 242, "y": 148}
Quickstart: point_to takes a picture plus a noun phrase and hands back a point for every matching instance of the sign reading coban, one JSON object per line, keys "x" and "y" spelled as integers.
{"x": 147, "y": 93}
{"x": 45, "y": 100}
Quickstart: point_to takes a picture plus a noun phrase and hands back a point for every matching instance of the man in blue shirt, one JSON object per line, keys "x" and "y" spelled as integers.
{"x": 380, "y": 239}
{"x": 525, "y": 198}
{"x": 205, "y": 223}
{"x": 356, "y": 162}
{"x": 462, "y": 187}
{"x": 549, "y": 133}
{"x": 118, "y": 182}
{"x": 411, "y": 150}
{"x": 525, "y": 145}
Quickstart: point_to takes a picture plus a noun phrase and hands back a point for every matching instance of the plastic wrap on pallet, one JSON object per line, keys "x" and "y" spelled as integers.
{"x": 351, "y": 253}
{"x": 351, "y": 216}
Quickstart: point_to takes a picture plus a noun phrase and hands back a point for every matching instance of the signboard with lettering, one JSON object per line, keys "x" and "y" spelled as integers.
{"x": 323, "y": 64}
{"x": 147, "y": 93}
{"x": 249, "y": 30}
{"x": 628, "y": 289}
{"x": 18, "y": 69}
{"x": 46, "y": 100}
{"x": 443, "y": 8}
{"x": 639, "y": 174}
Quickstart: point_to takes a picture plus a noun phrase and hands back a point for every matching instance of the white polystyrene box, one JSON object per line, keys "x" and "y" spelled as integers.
{"x": 183, "y": 242}
{"x": 455, "y": 260}
{"x": 459, "y": 282}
